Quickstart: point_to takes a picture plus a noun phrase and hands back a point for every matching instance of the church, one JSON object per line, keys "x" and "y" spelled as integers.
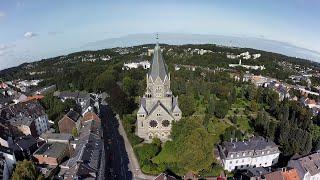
{"x": 158, "y": 107}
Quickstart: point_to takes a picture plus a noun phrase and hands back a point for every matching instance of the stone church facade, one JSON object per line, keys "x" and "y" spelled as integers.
{"x": 158, "y": 107}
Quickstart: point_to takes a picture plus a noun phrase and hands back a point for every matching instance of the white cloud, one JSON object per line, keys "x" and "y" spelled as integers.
{"x": 5, "y": 48}
{"x": 29, "y": 34}
{"x": 2, "y": 14}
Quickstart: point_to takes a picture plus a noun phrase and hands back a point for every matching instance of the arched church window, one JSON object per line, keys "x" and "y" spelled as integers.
{"x": 153, "y": 123}
{"x": 165, "y": 123}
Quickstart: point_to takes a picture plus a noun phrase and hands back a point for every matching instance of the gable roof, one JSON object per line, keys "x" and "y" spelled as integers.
{"x": 160, "y": 105}
{"x": 90, "y": 116}
{"x": 158, "y": 66}
{"x": 291, "y": 174}
{"x": 25, "y": 142}
{"x": 73, "y": 115}
{"x": 309, "y": 163}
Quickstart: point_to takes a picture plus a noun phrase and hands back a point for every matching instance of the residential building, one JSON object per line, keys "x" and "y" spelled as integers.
{"x": 28, "y": 118}
{"x": 255, "y": 152}
{"x": 7, "y": 161}
{"x": 135, "y": 65}
{"x": 282, "y": 174}
{"x": 158, "y": 107}
{"x": 308, "y": 167}
{"x": 83, "y": 99}
{"x": 5, "y": 135}
{"x": 51, "y": 153}
{"x": 24, "y": 147}
{"x": 87, "y": 159}
{"x": 69, "y": 121}
{"x": 50, "y": 137}
{"x": 4, "y": 170}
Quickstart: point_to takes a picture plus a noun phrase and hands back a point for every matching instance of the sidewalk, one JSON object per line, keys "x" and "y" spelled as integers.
{"x": 133, "y": 161}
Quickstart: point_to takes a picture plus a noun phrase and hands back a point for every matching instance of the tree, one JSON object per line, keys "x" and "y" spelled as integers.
{"x": 130, "y": 86}
{"x": 26, "y": 170}
{"x": 190, "y": 148}
{"x": 187, "y": 104}
{"x": 74, "y": 132}
{"x": 221, "y": 109}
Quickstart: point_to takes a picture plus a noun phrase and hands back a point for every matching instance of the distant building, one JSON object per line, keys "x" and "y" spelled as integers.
{"x": 158, "y": 106}
{"x": 69, "y": 121}
{"x": 308, "y": 167}
{"x": 256, "y": 152}
{"x": 247, "y": 66}
{"x": 135, "y": 65}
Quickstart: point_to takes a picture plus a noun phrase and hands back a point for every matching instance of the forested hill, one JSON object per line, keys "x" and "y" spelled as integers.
{"x": 80, "y": 65}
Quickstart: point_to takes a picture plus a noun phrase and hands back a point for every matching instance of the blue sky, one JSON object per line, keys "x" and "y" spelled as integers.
{"x": 33, "y": 29}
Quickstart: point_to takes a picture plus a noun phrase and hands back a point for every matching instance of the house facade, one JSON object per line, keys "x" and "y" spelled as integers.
{"x": 69, "y": 121}
{"x": 256, "y": 152}
{"x": 158, "y": 106}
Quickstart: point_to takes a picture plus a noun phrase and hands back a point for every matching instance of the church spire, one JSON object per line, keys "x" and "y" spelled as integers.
{"x": 158, "y": 66}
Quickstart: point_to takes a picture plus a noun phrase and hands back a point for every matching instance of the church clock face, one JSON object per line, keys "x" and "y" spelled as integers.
{"x": 165, "y": 123}
{"x": 153, "y": 123}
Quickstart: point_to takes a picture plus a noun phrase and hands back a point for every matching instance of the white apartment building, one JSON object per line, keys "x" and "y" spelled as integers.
{"x": 256, "y": 152}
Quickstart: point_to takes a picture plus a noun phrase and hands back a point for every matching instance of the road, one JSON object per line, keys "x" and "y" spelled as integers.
{"x": 120, "y": 158}
{"x": 117, "y": 162}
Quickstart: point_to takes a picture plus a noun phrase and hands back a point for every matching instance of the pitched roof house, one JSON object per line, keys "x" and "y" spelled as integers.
{"x": 87, "y": 156}
{"x": 28, "y": 118}
{"x": 69, "y": 121}
{"x": 308, "y": 167}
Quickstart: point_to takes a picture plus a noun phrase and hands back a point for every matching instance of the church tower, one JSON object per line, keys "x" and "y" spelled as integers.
{"x": 158, "y": 107}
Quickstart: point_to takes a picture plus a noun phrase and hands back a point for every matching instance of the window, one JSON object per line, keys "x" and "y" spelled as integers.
{"x": 236, "y": 161}
{"x": 153, "y": 123}
{"x": 165, "y": 123}
{"x": 158, "y": 114}
{"x": 141, "y": 124}
{"x": 230, "y": 162}
{"x": 242, "y": 160}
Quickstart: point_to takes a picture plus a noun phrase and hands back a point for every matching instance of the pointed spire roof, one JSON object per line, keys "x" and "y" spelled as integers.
{"x": 158, "y": 66}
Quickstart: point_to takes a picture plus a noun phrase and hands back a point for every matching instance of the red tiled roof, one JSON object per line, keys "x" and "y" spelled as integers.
{"x": 90, "y": 116}
{"x": 291, "y": 174}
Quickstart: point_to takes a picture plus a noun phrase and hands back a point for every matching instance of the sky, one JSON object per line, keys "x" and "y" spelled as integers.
{"x": 35, "y": 29}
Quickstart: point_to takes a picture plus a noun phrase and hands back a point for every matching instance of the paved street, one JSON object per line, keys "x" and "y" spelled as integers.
{"x": 120, "y": 158}
{"x": 116, "y": 156}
